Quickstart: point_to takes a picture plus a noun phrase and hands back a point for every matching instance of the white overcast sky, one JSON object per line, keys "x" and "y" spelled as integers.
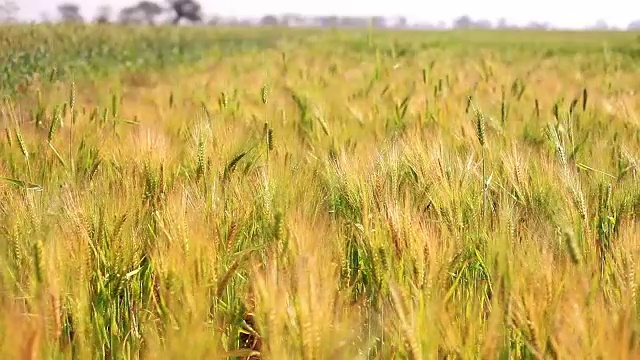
{"x": 564, "y": 13}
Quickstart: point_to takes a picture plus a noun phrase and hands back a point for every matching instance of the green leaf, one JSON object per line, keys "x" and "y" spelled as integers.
{"x": 23, "y": 184}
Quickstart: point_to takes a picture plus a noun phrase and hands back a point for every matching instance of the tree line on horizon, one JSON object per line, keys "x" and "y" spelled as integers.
{"x": 146, "y": 12}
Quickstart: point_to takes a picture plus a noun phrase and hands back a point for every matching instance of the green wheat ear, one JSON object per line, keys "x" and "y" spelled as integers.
{"x": 7, "y": 133}
{"x": 572, "y": 247}
{"x": 72, "y": 96}
{"x": 268, "y": 136}
{"x": 200, "y": 158}
{"x": 479, "y": 123}
{"x": 114, "y": 105}
{"x": 52, "y": 75}
{"x": 553, "y": 135}
{"x": 21, "y": 143}
{"x": 38, "y": 261}
{"x": 264, "y": 93}
{"x": 270, "y": 139}
{"x": 55, "y": 123}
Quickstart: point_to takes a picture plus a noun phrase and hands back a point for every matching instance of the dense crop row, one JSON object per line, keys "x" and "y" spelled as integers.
{"x": 45, "y": 54}
{"x": 325, "y": 195}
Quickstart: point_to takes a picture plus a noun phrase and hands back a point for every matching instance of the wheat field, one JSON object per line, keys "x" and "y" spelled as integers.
{"x": 303, "y": 194}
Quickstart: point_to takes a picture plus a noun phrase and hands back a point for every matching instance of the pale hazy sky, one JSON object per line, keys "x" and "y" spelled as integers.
{"x": 564, "y": 13}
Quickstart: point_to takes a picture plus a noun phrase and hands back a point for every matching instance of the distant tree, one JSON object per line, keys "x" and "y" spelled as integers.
{"x": 502, "y": 24}
{"x": 70, "y": 13}
{"x": 378, "y": 22}
{"x": 104, "y": 15}
{"x": 269, "y": 20}
{"x": 600, "y": 25}
{"x": 482, "y": 24}
{"x": 538, "y": 26}
{"x": 463, "y": 22}
{"x": 634, "y": 25}
{"x": 215, "y": 20}
{"x": 186, "y": 9}
{"x": 402, "y": 23}
{"x": 8, "y": 11}
{"x": 292, "y": 19}
{"x": 125, "y": 15}
{"x": 143, "y": 12}
{"x": 150, "y": 10}
{"x": 353, "y": 22}
{"x": 329, "y": 21}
